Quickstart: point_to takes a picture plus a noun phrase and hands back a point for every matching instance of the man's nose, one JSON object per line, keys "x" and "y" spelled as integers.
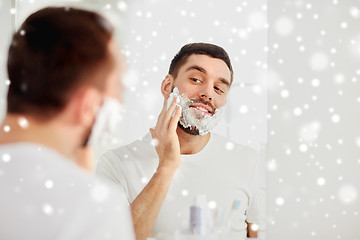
{"x": 207, "y": 92}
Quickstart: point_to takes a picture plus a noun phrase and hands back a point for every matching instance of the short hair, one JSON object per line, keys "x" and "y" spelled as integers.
{"x": 54, "y": 52}
{"x": 211, "y": 50}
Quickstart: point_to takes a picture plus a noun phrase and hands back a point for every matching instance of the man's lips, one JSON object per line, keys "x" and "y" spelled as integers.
{"x": 202, "y": 108}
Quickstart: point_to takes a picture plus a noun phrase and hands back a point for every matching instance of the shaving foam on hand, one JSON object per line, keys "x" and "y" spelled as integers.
{"x": 173, "y": 94}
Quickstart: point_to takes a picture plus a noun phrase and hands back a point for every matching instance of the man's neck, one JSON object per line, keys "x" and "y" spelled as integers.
{"x": 191, "y": 144}
{"x": 30, "y": 130}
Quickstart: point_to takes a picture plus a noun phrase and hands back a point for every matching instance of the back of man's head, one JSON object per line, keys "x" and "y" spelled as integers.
{"x": 55, "y": 52}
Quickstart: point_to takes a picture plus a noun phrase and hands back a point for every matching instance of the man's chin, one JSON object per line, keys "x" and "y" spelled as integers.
{"x": 190, "y": 130}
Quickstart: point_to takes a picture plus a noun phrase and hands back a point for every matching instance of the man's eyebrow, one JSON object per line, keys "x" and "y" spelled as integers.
{"x": 201, "y": 69}
{"x": 195, "y": 67}
{"x": 224, "y": 81}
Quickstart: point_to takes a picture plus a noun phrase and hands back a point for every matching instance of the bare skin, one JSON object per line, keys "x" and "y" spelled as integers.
{"x": 250, "y": 232}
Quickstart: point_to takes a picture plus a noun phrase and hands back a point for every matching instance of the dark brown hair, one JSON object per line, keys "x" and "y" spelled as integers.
{"x": 55, "y": 51}
{"x": 199, "y": 48}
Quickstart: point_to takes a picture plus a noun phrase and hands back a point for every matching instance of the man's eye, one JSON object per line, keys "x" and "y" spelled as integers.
{"x": 195, "y": 80}
{"x": 218, "y": 89}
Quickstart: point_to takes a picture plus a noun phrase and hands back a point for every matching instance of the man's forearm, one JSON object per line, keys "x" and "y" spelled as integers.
{"x": 145, "y": 208}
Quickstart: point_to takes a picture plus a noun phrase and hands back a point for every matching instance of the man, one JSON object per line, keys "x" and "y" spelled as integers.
{"x": 161, "y": 185}
{"x": 63, "y": 65}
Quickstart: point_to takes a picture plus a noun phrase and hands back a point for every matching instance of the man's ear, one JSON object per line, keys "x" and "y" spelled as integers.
{"x": 87, "y": 104}
{"x": 167, "y": 86}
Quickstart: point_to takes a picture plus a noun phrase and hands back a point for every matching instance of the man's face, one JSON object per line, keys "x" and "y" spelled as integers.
{"x": 206, "y": 82}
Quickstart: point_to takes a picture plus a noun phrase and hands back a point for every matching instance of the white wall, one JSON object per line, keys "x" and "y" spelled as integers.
{"x": 313, "y": 152}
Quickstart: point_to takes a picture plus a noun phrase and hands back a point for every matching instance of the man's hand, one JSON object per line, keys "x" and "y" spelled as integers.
{"x": 145, "y": 208}
{"x": 165, "y": 136}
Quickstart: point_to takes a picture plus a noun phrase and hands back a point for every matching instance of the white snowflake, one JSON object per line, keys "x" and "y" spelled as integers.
{"x": 321, "y": 181}
{"x": 48, "y": 209}
{"x": 280, "y": 201}
{"x": 319, "y": 61}
{"x": 284, "y": 26}
{"x": 347, "y": 193}
{"x": 99, "y": 192}
{"x": 6, "y": 157}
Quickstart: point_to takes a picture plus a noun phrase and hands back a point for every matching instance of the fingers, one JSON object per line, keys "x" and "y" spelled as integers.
{"x": 175, "y": 119}
{"x": 170, "y": 111}
{"x": 152, "y": 131}
{"x": 166, "y": 114}
{"x": 162, "y": 113}
{"x": 153, "y": 134}
{"x": 164, "y": 108}
{"x": 165, "y": 103}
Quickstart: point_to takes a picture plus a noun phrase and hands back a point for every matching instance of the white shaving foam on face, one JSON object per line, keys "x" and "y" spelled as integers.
{"x": 190, "y": 118}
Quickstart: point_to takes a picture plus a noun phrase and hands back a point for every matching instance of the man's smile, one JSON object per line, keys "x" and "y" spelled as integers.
{"x": 202, "y": 108}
